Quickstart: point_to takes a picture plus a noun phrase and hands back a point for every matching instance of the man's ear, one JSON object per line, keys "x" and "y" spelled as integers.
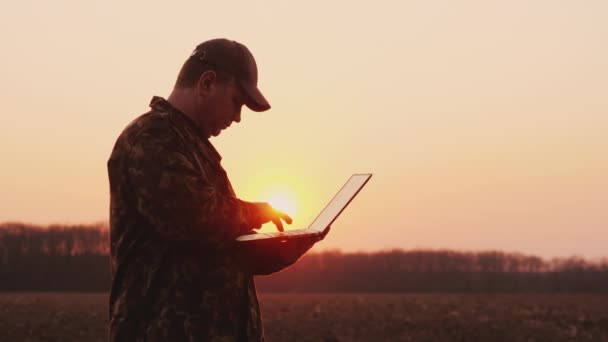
{"x": 206, "y": 81}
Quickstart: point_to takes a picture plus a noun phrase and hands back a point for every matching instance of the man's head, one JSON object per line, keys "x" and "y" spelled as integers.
{"x": 218, "y": 78}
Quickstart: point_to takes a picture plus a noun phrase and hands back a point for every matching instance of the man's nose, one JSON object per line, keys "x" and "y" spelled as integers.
{"x": 237, "y": 117}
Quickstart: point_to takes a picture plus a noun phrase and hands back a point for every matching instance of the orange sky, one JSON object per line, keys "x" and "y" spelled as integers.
{"x": 485, "y": 123}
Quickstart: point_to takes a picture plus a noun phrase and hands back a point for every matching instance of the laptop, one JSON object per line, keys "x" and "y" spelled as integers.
{"x": 335, "y": 207}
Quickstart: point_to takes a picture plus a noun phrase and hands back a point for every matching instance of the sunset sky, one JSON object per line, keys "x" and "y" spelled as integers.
{"x": 485, "y": 123}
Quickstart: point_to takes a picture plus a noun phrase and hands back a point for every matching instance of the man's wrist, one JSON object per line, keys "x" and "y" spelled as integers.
{"x": 251, "y": 214}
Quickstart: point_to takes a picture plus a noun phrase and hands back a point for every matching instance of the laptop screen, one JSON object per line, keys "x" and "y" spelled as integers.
{"x": 339, "y": 202}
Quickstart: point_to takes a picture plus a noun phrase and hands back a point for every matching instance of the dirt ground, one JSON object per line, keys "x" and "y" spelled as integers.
{"x": 342, "y": 317}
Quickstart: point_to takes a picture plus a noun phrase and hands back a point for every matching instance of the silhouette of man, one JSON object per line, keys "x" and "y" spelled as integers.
{"x": 177, "y": 272}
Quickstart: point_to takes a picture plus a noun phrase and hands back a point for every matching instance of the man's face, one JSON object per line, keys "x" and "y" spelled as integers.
{"x": 223, "y": 107}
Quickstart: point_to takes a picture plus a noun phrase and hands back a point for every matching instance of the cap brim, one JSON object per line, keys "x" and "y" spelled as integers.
{"x": 255, "y": 100}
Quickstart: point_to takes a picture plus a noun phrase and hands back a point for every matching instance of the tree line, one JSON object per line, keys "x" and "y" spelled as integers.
{"x": 76, "y": 258}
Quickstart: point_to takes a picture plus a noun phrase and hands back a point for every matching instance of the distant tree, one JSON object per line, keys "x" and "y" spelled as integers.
{"x": 75, "y": 257}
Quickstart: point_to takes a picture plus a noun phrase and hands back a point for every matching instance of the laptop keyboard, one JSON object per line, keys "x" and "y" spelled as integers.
{"x": 288, "y": 233}
{"x": 291, "y": 233}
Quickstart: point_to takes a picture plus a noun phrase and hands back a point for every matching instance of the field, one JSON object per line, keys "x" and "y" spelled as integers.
{"x": 343, "y": 317}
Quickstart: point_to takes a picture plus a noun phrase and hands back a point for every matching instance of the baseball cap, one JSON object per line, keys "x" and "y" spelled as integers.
{"x": 234, "y": 58}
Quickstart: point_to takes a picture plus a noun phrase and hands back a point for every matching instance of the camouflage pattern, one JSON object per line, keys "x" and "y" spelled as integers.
{"x": 176, "y": 274}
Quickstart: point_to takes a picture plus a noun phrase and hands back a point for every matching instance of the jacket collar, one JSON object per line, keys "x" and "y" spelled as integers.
{"x": 182, "y": 120}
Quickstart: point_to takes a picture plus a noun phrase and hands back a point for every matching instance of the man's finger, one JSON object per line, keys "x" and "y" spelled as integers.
{"x": 277, "y": 222}
{"x": 285, "y": 217}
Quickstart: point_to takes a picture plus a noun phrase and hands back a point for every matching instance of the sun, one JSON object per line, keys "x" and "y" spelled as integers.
{"x": 282, "y": 200}
{"x": 285, "y": 193}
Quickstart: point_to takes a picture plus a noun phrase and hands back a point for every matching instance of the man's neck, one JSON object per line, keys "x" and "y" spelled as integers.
{"x": 181, "y": 100}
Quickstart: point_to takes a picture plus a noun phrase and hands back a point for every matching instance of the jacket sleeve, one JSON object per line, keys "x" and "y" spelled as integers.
{"x": 178, "y": 201}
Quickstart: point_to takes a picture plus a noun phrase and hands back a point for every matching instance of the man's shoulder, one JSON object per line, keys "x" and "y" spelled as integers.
{"x": 151, "y": 124}
{"x": 151, "y": 127}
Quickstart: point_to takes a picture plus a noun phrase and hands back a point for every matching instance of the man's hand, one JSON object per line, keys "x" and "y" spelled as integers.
{"x": 262, "y": 257}
{"x": 266, "y": 256}
{"x": 266, "y": 213}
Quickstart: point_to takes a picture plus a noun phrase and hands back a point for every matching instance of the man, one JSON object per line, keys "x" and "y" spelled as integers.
{"x": 177, "y": 272}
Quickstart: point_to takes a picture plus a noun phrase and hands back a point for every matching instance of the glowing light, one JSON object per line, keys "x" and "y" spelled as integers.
{"x": 286, "y": 192}
{"x": 281, "y": 200}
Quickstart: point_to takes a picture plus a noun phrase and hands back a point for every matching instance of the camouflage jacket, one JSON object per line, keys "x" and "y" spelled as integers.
{"x": 176, "y": 274}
